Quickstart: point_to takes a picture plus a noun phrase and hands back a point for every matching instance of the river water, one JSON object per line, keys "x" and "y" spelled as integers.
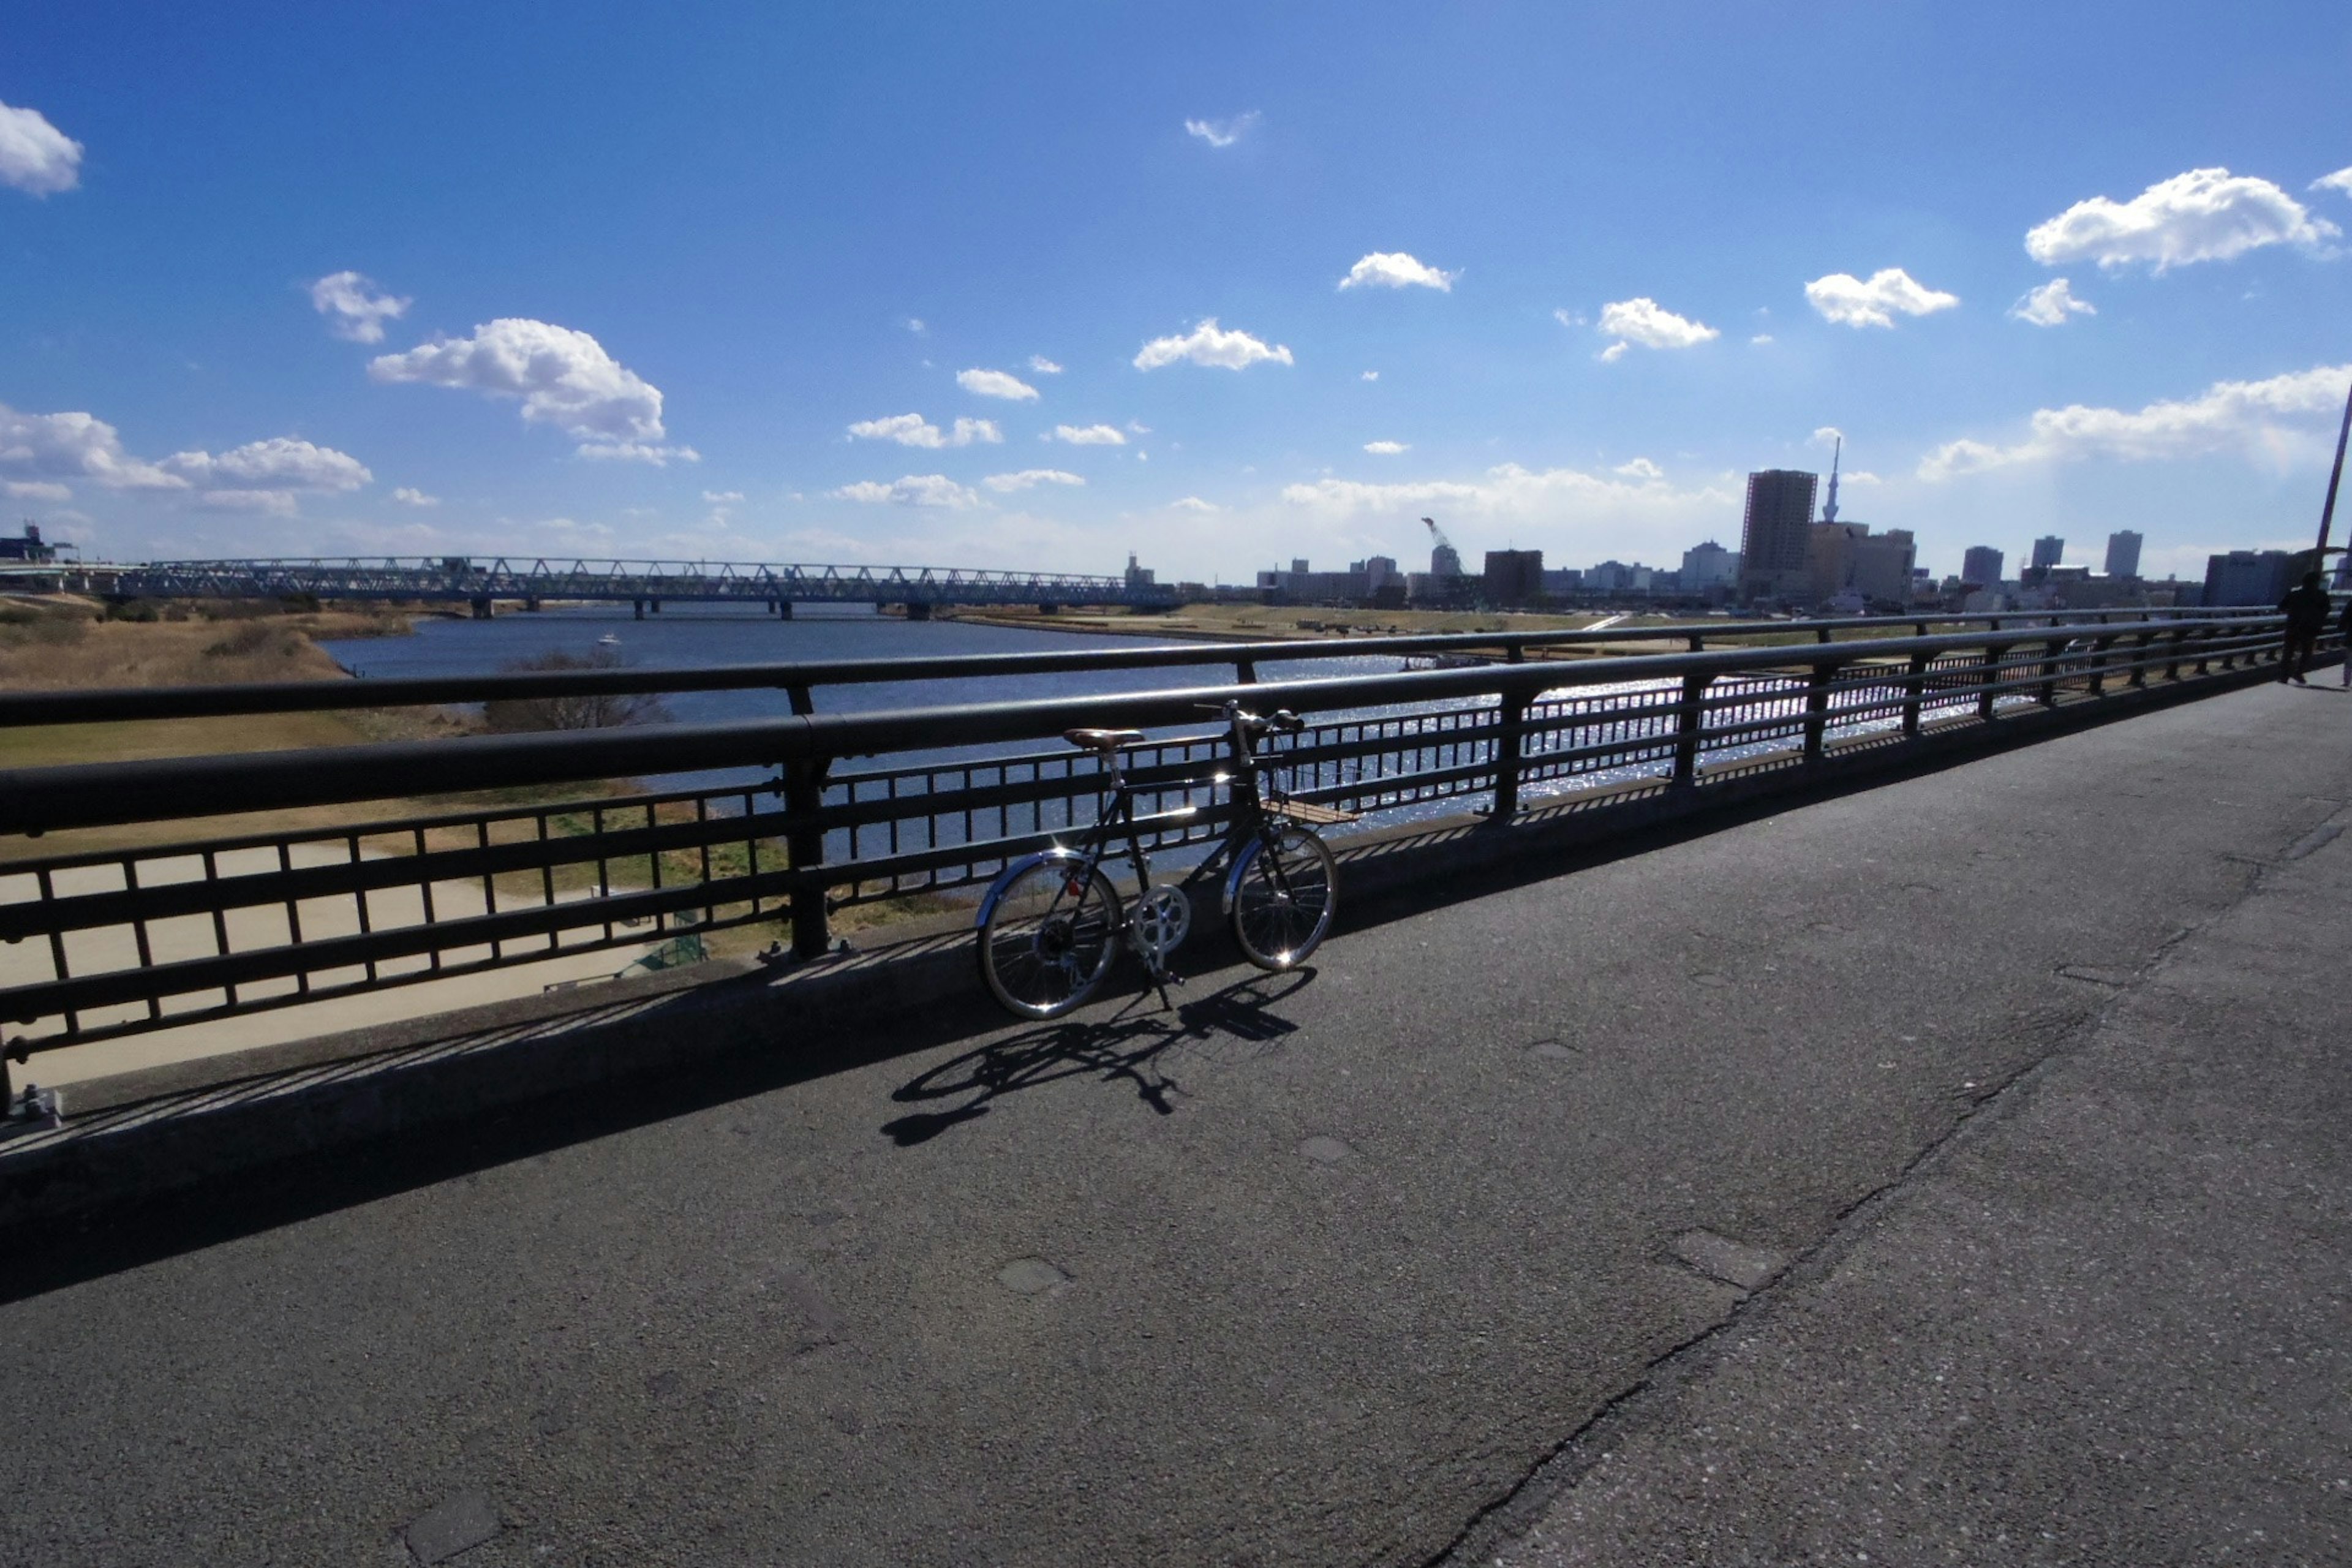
{"x": 686, "y": 636}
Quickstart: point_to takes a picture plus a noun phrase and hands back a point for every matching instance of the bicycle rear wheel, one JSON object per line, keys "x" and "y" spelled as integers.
{"x": 1050, "y": 939}
{"x": 1284, "y": 899}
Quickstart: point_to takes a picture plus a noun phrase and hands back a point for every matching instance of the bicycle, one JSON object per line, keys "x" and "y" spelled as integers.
{"x": 1051, "y": 924}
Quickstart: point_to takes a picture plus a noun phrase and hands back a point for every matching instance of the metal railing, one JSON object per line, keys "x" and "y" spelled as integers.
{"x": 800, "y": 680}
{"x": 566, "y": 842}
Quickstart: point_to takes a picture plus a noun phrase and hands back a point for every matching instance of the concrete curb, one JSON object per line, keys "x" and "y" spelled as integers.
{"x": 175, "y": 1127}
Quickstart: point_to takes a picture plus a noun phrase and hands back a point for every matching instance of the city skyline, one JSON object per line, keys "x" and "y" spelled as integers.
{"x": 817, "y": 288}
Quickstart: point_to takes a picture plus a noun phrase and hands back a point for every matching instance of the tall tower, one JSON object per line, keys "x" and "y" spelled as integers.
{"x": 1828, "y": 507}
{"x": 2047, "y": 550}
{"x": 1776, "y": 532}
{"x": 2123, "y": 553}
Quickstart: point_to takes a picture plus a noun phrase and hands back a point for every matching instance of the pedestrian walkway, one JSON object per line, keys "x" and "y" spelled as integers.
{"x": 1719, "y": 1152}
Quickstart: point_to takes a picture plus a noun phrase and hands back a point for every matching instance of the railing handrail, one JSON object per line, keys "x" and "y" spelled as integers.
{"x": 123, "y": 704}
{"x": 38, "y": 800}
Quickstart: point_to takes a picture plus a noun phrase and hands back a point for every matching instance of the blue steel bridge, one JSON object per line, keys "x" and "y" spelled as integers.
{"x": 483, "y": 581}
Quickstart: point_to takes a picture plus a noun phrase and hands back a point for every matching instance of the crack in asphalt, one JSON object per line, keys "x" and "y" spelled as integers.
{"x": 1511, "y": 1513}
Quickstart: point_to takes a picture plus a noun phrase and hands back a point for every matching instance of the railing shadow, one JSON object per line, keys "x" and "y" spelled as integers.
{"x": 1128, "y": 1047}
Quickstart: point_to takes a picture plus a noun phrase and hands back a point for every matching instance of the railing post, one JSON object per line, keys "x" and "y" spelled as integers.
{"x": 2140, "y": 658}
{"x": 1915, "y": 688}
{"x": 2172, "y": 658}
{"x": 1821, "y": 634}
{"x": 805, "y": 841}
{"x": 1507, "y": 756}
{"x": 2099, "y": 646}
{"x": 2204, "y": 649}
{"x": 1985, "y": 669}
{"x": 1247, "y": 670}
{"x": 1817, "y": 707}
{"x": 1690, "y": 718}
{"x": 2053, "y": 653}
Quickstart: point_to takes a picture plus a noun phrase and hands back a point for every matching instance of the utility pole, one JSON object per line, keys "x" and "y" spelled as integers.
{"x": 2335, "y": 478}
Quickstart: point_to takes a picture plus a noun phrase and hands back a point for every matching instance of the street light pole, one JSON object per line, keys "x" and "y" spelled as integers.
{"x": 2335, "y": 478}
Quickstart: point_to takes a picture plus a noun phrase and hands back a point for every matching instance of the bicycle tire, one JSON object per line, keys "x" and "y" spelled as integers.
{"x": 1046, "y": 949}
{"x": 1285, "y": 896}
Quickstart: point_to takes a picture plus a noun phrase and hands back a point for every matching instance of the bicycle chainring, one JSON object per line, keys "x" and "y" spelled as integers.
{"x": 1158, "y": 922}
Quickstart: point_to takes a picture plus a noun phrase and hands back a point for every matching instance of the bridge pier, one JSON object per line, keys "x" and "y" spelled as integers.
{"x": 481, "y": 607}
{"x": 784, "y": 608}
{"x": 531, "y": 605}
{"x": 1049, "y": 608}
{"x": 637, "y": 608}
{"x": 919, "y": 609}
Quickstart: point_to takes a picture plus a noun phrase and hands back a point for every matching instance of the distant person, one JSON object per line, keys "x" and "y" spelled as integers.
{"x": 2306, "y": 609}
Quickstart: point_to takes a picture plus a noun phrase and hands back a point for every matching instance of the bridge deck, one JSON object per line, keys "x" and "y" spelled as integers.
{"x": 1322, "y": 1269}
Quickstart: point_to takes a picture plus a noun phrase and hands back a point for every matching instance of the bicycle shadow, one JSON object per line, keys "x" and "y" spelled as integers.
{"x": 1127, "y": 1046}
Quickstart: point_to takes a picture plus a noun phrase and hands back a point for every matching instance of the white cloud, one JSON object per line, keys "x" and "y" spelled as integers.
{"x": 1043, "y": 365}
{"x": 915, "y": 325}
{"x": 1385, "y": 448}
{"x": 995, "y": 383}
{"x": 35, "y": 490}
{"x": 1568, "y": 317}
{"x": 1395, "y": 269}
{"x": 35, "y": 155}
{"x": 564, "y": 378}
{"x": 1222, "y": 132}
{"x": 914, "y": 430}
{"x": 2205, "y": 215}
{"x": 408, "y": 496}
{"x": 1842, "y": 297}
{"x": 1210, "y": 344}
{"x": 53, "y": 447}
{"x": 1028, "y": 478}
{"x": 355, "y": 309}
{"x": 2228, "y": 416}
{"x": 659, "y": 455}
{"x": 1192, "y": 503}
{"x": 1827, "y": 435}
{"x": 1372, "y": 375}
{"x": 2339, "y": 181}
{"x": 1090, "y": 434}
{"x": 1641, "y": 469}
{"x": 2050, "y": 305}
{"x": 911, "y": 490}
{"x": 1645, "y": 321}
{"x": 278, "y": 464}
{"x": 722, "y": 497}
{"x": 1760, "y": 340}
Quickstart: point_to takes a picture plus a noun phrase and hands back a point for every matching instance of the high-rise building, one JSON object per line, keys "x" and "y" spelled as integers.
{"x": 1514, "y": 576}
{"x": 1847, "y": 558}
{"x": 1445, "y": 562}
{"x": 2123, "y": 553}
{"x": 2047, "y": 550}
{"x": 1775, "y": 535}
{"x": 1708, "y": 565}
{"x": 2253, "y": 577}
{"x": 1981, "y": 567}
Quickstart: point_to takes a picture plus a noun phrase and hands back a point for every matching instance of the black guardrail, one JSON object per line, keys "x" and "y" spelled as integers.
{"x": 800, "y": 680}
{"x": 570, "y": 842}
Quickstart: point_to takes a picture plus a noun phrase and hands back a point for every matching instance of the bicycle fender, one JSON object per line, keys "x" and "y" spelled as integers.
{"x": 1004, "y": 880}
{"x": 1241, "y": 869}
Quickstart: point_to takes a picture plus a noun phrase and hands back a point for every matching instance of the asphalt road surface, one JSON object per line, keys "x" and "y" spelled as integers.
{"x": 1952, "y": 1171}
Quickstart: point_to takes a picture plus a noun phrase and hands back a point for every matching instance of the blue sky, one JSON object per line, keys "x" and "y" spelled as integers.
{"x": 629, "y": 281}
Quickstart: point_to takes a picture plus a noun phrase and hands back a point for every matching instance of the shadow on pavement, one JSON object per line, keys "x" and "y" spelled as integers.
{"x": 1127, "y": 1046}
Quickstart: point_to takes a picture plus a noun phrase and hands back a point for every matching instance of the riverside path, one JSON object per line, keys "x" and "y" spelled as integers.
{"x": 1950, "y": 1170}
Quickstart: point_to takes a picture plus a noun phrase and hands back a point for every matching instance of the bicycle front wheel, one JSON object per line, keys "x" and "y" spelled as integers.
{"x": 1282, "y": 903}
{"x": 1050, "y": 939}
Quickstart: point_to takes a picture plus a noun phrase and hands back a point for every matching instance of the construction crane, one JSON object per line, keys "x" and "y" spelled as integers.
{"x": 1445, "y": 561}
